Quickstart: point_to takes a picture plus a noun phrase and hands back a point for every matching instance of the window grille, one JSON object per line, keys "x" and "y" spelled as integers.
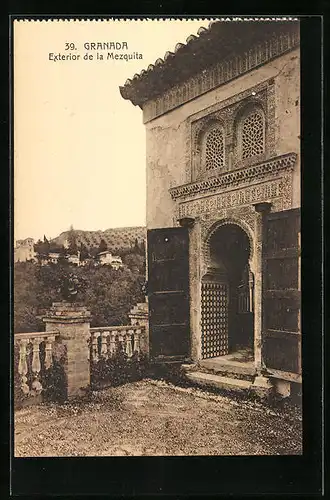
{"x": 214, "y": 150}
{"x": 253, "y": 141}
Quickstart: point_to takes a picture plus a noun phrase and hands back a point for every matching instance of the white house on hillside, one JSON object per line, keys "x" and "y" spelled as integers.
{"x": 74, "y": 259}
{"x": 53, "y": 257}
{"x": 106, "y": 258}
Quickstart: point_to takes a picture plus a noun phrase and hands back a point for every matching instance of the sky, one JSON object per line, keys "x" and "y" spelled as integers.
{"x": 79, "y": 147}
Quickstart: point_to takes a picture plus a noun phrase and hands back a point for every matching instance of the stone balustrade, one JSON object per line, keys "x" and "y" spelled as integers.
{"x": 35, "y": 352}
{"x": 75, "y": 356}
{"x": 106, "y": 341}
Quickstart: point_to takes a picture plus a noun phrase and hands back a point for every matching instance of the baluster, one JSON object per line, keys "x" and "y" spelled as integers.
{"x": 22, "y": 366}
{"x": 49, "y": 352}
{"x": 95, "y": 347}
{"x": 112, "y": 346}
{"x": 104, "y": 345}
{"x": 121, "y": 340}
{"x": 89, "y": 341}
{"x": 137, "y": 333}
{"x": 36, "y": 367}
{"x": 129, "y": 351}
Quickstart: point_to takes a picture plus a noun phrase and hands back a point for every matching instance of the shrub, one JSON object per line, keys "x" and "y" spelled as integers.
{"x": 119, "y": 369}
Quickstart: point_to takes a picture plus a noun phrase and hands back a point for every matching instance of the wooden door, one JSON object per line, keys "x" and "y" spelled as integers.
{"x": 281, "y": 292}
{"x": 168, "y": 292}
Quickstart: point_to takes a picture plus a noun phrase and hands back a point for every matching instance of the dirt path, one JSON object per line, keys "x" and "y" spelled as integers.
{"x": 156, "y": 418}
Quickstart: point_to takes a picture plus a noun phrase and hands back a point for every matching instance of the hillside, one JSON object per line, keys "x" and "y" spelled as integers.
{"x": 116, "y": 238}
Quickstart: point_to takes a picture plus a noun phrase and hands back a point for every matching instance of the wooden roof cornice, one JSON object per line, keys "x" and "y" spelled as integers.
{"x": 210, "y": 46}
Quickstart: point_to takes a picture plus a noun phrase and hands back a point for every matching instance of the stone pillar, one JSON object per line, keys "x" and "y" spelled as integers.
{"x": 262, "y": 385}
{"x": 73, "y": 323}
{"x": 257, "y": 268}
{"x": 195, "y": 255}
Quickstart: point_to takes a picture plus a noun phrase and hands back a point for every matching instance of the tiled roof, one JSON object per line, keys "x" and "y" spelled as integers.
{"x": 200, "y": 51}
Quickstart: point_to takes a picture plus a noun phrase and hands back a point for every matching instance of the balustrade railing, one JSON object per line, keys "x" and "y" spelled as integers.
{"x": 107, "y": 341}
{"x": 39, "y": 356}
{"x": 35, "y": 355}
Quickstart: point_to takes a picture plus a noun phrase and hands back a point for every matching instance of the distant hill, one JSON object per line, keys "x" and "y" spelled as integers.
{"x": 119, "y": 238}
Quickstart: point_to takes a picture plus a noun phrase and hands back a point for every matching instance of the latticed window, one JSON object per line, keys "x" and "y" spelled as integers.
{"x": 252, "y": 135}
{"x": 214, "y": 149}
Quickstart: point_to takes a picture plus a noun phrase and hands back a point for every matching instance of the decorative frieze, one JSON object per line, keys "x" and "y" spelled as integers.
{"x": 221, "y": 73}
{"x": 244, "y": 196}
{"x": 236, "y": 177}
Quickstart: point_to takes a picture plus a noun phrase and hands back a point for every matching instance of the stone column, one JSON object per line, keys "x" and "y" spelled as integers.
{"x": 73, "y": 323}
{"x": 262, "y": 385}
{"x": 257, "y": 269}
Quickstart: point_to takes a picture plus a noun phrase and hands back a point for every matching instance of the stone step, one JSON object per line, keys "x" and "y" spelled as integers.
{"x": 219, "y": 382}
{"x": 234, "y": 367}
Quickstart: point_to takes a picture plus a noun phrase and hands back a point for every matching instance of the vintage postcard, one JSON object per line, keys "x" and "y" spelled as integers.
{"x": 157, "y": 168}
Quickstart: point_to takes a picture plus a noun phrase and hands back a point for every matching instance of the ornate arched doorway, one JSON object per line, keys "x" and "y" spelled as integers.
{"x": 227, "y": 317}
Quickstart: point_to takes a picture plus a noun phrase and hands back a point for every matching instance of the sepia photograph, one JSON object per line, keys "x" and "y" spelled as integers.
{"x": 157, "y": 237}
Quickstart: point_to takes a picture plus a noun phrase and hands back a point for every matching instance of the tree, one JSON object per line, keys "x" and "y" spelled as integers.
{"x": 143, "y": 248}
{"x": 63, "y": 261}
{"x": 102, "y": 246}
{"x": 72, "y": 242}
{"x": 84, "y": 253}
{"x": 46, "y": 246}
{"x": 93, "y": 252}
{"x": 56, "y": 248}
{"x": 109, "y": 294}
{"x": 135, "y": 262}
{"x": 26, "y": 301}
{"x": 42, "y": 248}
{"x": 38, "y": 245}
{"x": 38, "y": 248}
{"x": 136, "y": 246}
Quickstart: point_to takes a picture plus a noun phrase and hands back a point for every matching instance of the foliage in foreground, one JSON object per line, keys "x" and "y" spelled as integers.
{"x": 109, "y": 294}
{"x": 119, "y": 369}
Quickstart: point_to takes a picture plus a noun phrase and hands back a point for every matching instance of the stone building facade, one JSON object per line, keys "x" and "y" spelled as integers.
{"x": 24, "y": 250}
{"x": 222, "y": 118}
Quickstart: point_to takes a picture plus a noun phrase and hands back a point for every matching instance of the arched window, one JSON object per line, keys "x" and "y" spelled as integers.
{"x": 214, "y": 149}
{"x": 252, "y": 132}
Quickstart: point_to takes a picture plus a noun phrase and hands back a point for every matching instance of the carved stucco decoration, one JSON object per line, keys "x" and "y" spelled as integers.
{"x": 244, "y": 217}
{"x": 235, "y": 206}
{"x": 227, "y": 113}
{"x": 278, "y": 191}
{"x": 241, "y": 177}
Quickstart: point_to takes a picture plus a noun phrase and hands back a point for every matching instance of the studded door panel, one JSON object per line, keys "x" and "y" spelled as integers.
{"x": 214, "y": 319}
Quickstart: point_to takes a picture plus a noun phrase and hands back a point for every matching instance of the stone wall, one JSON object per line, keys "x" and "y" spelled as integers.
{"x": 171, "y": 149}
{"x": 169, "y": 136}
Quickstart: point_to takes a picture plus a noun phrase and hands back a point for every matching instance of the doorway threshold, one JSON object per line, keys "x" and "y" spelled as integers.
{"x": 168, "y": 359}
{"x": 230, "y": 363}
